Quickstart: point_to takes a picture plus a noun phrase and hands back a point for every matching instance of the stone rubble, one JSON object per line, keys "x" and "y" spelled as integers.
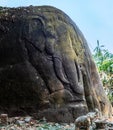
{"x": 29, "y": 123}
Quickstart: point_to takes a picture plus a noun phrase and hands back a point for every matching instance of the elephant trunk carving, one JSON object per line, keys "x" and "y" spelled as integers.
{"x": 59, "y": 69}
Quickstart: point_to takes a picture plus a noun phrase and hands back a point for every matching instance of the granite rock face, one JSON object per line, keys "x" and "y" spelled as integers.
{"x": 46, "y": 66}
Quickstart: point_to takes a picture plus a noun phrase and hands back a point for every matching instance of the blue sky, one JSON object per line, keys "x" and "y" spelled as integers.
{"x": 93, "y": 17}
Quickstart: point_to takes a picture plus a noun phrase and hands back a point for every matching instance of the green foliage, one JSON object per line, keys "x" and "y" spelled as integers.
{"x": 47, "y": 126}
{"x": 44, "y": 125}
{"x": 103, "y": 59}
{"x": 56, "y": 126}
{"x": 104, "y": 62}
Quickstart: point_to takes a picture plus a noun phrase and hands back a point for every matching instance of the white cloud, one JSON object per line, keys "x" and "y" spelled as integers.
{"x": 3, "y": 2}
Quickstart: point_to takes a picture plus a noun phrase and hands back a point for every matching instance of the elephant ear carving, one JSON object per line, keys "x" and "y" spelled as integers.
{"x": 31, "y": 28}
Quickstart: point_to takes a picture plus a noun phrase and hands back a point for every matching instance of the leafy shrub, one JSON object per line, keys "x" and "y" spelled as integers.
{"x": 104, "y": 61}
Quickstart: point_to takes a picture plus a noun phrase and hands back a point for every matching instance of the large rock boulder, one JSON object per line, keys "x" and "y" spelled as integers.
{"x": 46, "y": 66}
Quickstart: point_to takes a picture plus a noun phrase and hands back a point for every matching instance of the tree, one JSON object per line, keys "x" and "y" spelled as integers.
{"x": 104, "y": 62}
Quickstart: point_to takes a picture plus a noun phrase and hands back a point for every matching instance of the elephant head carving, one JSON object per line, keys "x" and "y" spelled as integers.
{"x": 54, "y": 45}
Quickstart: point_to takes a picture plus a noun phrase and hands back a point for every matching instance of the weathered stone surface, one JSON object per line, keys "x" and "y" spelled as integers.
{"x": 46, "y": 66}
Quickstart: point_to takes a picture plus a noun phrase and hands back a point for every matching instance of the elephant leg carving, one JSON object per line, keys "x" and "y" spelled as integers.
{"x": 78, "y": 71}
{"x": 73, "y": 75}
